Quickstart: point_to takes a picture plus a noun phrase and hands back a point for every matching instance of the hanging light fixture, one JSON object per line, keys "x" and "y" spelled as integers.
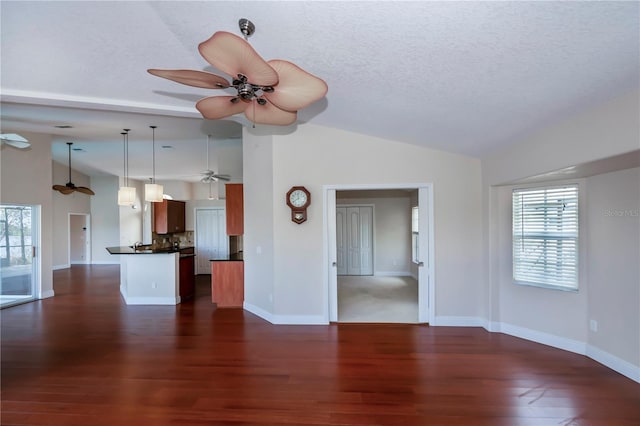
{"x": 126, "y": 193}
{"x": 153, "y": 191}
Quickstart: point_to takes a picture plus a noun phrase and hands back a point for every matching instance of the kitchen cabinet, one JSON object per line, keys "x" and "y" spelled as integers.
{"x": 187, "y": 281}
{"x": 227, "y": 283}
{"x": 169, "y": 217}
{"x": 235, "y": 208}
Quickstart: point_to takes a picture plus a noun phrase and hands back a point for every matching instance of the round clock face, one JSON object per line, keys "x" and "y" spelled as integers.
{"x": 298, "y": 198}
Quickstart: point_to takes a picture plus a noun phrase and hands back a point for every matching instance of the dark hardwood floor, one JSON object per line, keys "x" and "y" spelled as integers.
{"x": 85, "y": 358}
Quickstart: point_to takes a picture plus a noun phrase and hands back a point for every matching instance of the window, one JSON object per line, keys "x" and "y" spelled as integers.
{"x": 415, "y": 255}
{"x": 545, "y": 237}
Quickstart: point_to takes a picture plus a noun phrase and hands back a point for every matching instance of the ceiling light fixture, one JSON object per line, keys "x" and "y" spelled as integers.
{"x": 126, "y": 193}
{"x": 153, "y": 191}
{"x": 70, "y": 187}
{"x": 267, "y": 92}
{"x": 14, "y": 140}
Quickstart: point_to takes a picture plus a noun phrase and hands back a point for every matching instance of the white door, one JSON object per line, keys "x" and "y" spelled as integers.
{"x": 354, "y": 240}
{"x": 211, "y": 238}
{"x": 78, "y": 239}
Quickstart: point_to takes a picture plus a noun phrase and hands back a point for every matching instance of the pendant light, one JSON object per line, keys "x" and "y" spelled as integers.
{"x": 126, "y": 193}
{"x": 153, "y": 191}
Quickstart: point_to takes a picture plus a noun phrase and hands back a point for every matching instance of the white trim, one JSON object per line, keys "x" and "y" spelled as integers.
{"x": 613, "y": 362}
{"x": 393, "y": 274}
{"x": 265, "y": 315}
{"x": 104, "y": 262}
{"x": 426, "y": 292}
{"x": 149, "y": 300}
{"x": 46, "y": 294}
{"x": 564, "y": 343}
{"x": 581, "y": 348}
{"x": 285, "y": 319}
{"x": 454, "y": 321}
{"x": 58, "y": 267}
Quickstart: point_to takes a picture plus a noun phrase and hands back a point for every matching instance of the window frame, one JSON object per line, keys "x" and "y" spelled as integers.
{"x": 556, "y": 238}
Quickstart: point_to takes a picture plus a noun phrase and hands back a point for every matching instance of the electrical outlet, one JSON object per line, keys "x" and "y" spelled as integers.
{"x": 154, "y": 285}
{"x": 593, "y": 325}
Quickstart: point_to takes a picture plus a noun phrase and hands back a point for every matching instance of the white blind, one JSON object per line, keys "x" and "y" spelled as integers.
{"x": 545, "y": 236}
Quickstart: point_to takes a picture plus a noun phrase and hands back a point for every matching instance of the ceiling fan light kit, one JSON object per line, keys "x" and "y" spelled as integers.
{"x": 69, "y": 187}
{"x": 268, "y": 92}
{"x": 126, "y": 193}
{"x": 153, "y": 191}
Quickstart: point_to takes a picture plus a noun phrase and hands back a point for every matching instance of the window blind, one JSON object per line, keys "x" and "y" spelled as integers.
{"x": 545, "y": 237}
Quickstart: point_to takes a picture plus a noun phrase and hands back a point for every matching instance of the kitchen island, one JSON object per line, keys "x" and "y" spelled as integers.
{"x": 152, "y": 276}
{"x": 227, "y": 281}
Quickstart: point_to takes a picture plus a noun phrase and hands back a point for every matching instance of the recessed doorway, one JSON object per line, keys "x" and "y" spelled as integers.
{"x": 19, "y": 254}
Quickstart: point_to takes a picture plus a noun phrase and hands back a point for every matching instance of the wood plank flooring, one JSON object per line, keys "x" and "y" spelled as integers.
{"x": 85, "y": 358}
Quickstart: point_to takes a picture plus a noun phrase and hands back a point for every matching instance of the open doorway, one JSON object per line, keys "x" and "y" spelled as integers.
{"x": 19, "y": 254}
{"x": 401, "y": 262}
{"x": 79, "y": 239}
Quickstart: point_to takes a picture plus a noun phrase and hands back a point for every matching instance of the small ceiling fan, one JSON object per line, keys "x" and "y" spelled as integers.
{"x": 268, "y": 92}
{"x": 70, "y": 187}
{"x": 209, "y": 176}
{"x": 14, "y": 140}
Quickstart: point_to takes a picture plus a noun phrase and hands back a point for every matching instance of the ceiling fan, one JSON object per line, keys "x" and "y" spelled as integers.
{"x": 14, "y": 140}
{"x": 70, "y": 187}
{"x": 268, "y": 92}
{"x": 209, "y": 176}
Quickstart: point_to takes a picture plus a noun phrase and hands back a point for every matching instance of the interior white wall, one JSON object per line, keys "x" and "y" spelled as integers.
{"x": 392, "y": 229}
{"x": 258, "y": 236}
{"x": 613, "y": 212}
{"x": 192, "y": 205}
{"x": 179, "y": 190}
{"x": 76, "y": 202}
{"x": 610, "y": 129}
{"x": 314, "y": 156}
{"x": 553, "y": 312}
{"x": 25, "y": 178}
{"x": 105, "y": 218}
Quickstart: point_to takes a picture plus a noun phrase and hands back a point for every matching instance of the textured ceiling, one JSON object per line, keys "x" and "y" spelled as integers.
{"x": 465, "y": 77}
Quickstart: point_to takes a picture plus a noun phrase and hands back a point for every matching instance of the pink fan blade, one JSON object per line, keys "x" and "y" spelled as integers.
{"x": 192, "y": 78}
{"x": 233, "y": 55}
{"x": 296, "y": 88}
{"x": 269, "y": 114}
{"x": 217, "y": 107}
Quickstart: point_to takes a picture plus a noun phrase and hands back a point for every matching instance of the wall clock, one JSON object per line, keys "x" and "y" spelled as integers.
{"x": 298, "y": 199}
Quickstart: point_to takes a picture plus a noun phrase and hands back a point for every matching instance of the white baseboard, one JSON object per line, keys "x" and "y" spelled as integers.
{"x": 605, "y": 358}
{"x": 613, "y": 362}
{"x": 148, "y": 300}
{"x": 57, "y": 267}
{"x": 105, "y": 262}
{"x": 392, "y": 274}
{"x": 450, "y": 321}
{"x": 258, "y": 312}
{"x": 47, "y": 294}
{"x": 285, "y": 319}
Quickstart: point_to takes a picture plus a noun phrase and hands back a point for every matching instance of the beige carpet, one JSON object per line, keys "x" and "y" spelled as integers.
{"x": 377, "y": 299}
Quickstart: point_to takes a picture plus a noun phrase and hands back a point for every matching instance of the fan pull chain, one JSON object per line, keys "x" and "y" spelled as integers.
{"x": 254, "y": 114}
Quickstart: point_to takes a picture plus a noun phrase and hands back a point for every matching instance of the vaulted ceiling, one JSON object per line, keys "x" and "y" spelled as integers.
{"x": 465, "y": 77}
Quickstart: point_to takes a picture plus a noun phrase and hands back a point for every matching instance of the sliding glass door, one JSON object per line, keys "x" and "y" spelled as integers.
{"x": 18, "y": 240}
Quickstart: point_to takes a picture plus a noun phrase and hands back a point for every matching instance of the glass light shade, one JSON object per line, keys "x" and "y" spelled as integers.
{"x": 153, "y": 192}
{"x": 126, "y": 196}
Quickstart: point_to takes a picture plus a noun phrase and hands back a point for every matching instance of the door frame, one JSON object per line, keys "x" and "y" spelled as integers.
{"x": 87, "y": 243}
{"x": 426, "y": 274}
{"x": 36, "y": 264}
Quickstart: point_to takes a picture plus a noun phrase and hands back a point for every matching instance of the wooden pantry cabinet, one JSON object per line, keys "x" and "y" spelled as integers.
{"x": 235, "y": 208}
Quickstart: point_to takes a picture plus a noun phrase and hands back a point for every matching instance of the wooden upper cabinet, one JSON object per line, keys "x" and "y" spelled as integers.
{"x": 168, "y": 217}
{"x": 235, "y": 209}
